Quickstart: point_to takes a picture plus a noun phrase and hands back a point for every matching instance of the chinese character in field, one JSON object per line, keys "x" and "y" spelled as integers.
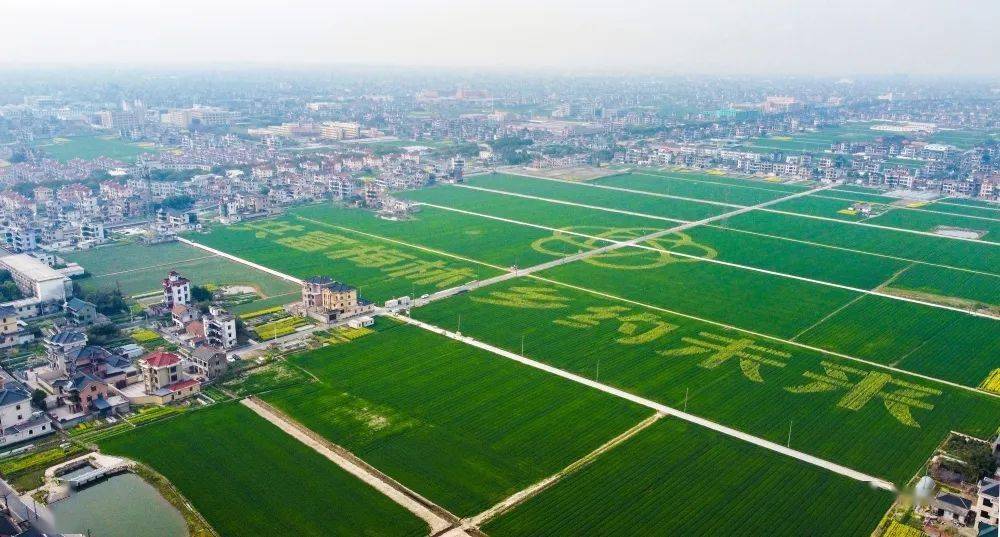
{"x": 273, "y": 227}
{"x": 635, "y": 329}
{"x": 367, "y": 255}
{"x": 428, "y": 272}
{"x": 897, "y": 395}
{"x": 722, "y": 349}
{"x": 315, "y": 241}
{"x": 593, "y": 316}
{"x": 539, "y": 298}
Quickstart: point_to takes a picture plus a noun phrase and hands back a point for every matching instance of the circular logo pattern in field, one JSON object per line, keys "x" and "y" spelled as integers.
{"x": 578, "y": 239}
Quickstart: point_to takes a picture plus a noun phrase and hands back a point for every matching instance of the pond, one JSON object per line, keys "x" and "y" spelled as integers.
{"x": 121, "y": 506}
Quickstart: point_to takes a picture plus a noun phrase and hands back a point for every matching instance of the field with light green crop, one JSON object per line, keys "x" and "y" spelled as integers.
{"x": 380, "y": 269}
{"x": 532, "y": 211}
{"x": 763, "y": 322}
{"x": 941, "y": 343}
{"x": 678, "y": 479}
{"x": 928, "y": 221}
{"x": 930, "y": 249}
{"x": 718, "y": 178}
{"x": 92, "y": 147}
{"x": 766, "y": 303}
{"x": 933, "y": 283}
{"x": 488, "y": 241}
{"x": 604, "y": 197}
{"x": 457, "y": 424}
{"x": 705, "y": 187}
{"x": 748, "y": 382}
{"x": 138, "y": 269}
{"x": 949, "y": 205}
{"x": 247, "y": 477}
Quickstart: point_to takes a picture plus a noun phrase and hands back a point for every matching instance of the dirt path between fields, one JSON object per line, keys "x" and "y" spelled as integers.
{"x": 440, "y": 520}
{"x": 524, "y": 495}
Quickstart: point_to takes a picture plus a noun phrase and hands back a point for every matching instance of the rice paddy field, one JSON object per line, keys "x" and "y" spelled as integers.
{"x": 862, "y": 342}
{"x": 455, "y": 423}
{"x": 820, "y": 140}
{"x": 247, "y": 477}
{"x": 92, "y": 147}
{"x": 379, "y": 268}
{"x": 677, "y": 479}
{"x": 137, "y": 269}
{"x": 746, "y": 381}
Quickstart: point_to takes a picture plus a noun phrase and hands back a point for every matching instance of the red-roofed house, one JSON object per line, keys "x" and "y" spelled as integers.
{"x": 163, "y": 379}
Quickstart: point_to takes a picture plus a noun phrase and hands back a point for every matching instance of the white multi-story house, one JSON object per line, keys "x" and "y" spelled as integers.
{"x": 988, "y": 502}
{"x": 18, "y": 422}
{"x": 176, "y": 290}
{"x": 220, "y": 328}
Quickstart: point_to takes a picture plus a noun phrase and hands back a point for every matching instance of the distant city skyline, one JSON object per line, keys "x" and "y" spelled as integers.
{"x": 706, "y": 37}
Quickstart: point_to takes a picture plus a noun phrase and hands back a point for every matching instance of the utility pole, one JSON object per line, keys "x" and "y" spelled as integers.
{"x": 789, "y": 443}
{"x": 687, "y": 391}
{"x": 522, "y": 344}
{"x": 459, "y": 323}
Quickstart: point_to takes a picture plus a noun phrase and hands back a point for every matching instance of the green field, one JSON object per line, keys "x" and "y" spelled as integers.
{"x": 706, "y": 187}
{"x": 247, "y": 477}
{"x": 670, "y": 359}
{"x": 927, "y": 221}
{"x": 379, "y": 269}
{"x": 678, "y": 479}
{"x": 538, "y": 212}
{"x": 591, "y": 195}
{"x": 939, "y": 284}
{"x": 804, "y": 311}
{"x": 949, "y": 206}
{"x": 940, "y": 250}
{"x": 941, "y": 343}
{"x": 853, "y": 268}
{"x": 457, "y": 424}
{"x": 721, "y": 293}
{"x": 137, "y": 269}
{"x": 487, "y": 241}
{"x": 752, "y": 183}
{"x": 91, "y": 147}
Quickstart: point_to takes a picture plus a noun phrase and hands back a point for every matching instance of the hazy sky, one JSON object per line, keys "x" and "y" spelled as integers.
{"x": 689, "y": 36}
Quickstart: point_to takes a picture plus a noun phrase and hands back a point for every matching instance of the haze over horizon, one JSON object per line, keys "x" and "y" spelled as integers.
{"x": 705, "y": 37}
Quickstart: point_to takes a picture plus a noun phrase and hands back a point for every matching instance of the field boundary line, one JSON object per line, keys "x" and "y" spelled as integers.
{"x": 659, "y": 407}
{"x": 767, "y": 336}
{"x": 435, "y": 516}
{"x": 526, "y": 494}
{"x": 251, "y": 264}
{"x": 827, "y": 317}
{"x": 824, "y": 283}
{"x": 570, "y": 203}
{"x": 758, "y": 207}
